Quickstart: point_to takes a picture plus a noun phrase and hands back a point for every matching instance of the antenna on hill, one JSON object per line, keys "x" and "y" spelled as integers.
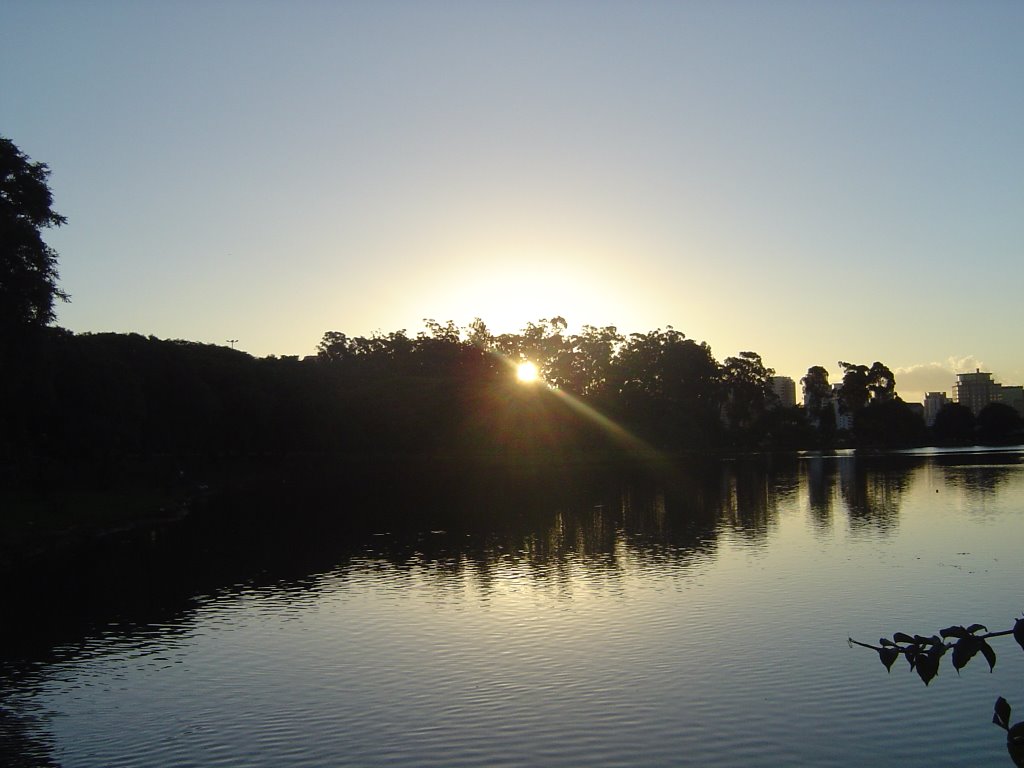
{"x": 232, "y": 342}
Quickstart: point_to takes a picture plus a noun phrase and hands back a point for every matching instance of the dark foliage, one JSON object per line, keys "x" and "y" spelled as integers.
{"x": 86, "y": 403}
{"x": 888, "y": 423}
{"x": 954, "y": 424}
{"x": 28, "y": 267}
{"x": 999, "y": 423}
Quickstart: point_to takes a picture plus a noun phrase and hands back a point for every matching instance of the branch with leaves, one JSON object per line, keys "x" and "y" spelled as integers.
{"x": 924, "y": 654}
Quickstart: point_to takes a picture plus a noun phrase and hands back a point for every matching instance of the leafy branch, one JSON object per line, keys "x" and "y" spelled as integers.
{"x": 925, "y": 653}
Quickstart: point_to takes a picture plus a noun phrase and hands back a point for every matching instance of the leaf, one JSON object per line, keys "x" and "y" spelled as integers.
{"x": 1001, "y": 717}
{"x": 928, "y": 666}
{"x": 899, "y": 637}
{"x": 959, "y": 632}
{"x": 912, "y": 653}
{"x": 964, "y": 651}
{"x": 1018, "y": 632}
{"x": 886, "y": 643}
{"x": 989, "y": 654}
{"x": 888, "y": 657}
{"x": 974, "y": 628}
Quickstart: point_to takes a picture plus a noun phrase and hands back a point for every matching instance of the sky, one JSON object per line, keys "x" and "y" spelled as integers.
{"x": 811, "y": 181}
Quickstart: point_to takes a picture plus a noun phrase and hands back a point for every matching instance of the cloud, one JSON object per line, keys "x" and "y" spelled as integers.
{"x": 914, "y": 380}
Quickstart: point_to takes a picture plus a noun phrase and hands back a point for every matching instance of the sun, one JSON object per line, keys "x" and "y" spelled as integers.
{"x": 526, "y": 372}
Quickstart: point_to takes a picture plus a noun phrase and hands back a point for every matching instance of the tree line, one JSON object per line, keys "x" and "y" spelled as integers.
{"x": 445, "y": 391}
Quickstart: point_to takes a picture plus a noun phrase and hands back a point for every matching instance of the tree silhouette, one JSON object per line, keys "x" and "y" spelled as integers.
{"x": 954, "y": 423}
{"x": 747, "y": 395}
{"x": 816, "y": 388}
{"x": 854, "y": 392}
{"x": 863, "y": 385}
{"x": 888, "y": 422}
{"x": 667, "y": 389}
{"x": 28, "y": 266}
{"x": 997, "y": 422}
{"x": 881, "y": 383}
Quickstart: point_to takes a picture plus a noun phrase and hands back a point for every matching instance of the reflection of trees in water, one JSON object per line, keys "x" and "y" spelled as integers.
{"x": 819, "y": 476}
{"x": 873, "y": 490}
{"x": 24, "y": 740}
{"x": 286, "y": 535}
{"x": 669, "y": 525}
{"x": 287, "y": 543}
{"x": 284, "y": 539}
{"x": 745, "y": 504}
{"x": 642, "y": 521}
{"x": 979, "y": 475}
{"x": 752, "y": 491}
{"x": 870, "y": 488}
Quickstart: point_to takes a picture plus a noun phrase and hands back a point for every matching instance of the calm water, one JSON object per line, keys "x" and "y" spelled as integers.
{"x": 700, "y": 620}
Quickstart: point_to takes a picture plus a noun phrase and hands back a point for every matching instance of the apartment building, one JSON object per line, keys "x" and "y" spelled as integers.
{"x": 785, "y": 389}
{"x": 933, "y": 403}
{"x": 976, "y": 390}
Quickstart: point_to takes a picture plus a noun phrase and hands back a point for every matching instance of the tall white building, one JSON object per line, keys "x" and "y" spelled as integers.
{"x": 844, "y": 419}
{"x": 785, "y": 389}
{"x": 976, "y": 390}
{"x": 933, "y": 403}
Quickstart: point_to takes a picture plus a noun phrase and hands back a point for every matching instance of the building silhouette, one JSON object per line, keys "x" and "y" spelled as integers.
{"x": 785, "y": 389}
{"x": 844, "y": 418}
{"x": 933, "y": 403}
{"x": 978, "y": 389}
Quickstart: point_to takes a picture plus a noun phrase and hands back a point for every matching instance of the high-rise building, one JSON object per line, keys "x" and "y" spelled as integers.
{"x": 844, "y": 419}
{"x": 976, "y": 390}
{"x": 933, "y": 403}
{"x": 785, "y": 388}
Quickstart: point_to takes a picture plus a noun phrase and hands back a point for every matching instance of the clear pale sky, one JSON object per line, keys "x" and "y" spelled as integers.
{"x": 813, "y": 181}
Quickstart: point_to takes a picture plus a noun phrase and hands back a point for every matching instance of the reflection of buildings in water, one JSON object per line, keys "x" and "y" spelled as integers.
{"x": 978, "y": 481}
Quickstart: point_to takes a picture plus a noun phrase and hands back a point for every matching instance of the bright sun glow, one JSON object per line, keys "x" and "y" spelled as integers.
{"x": 526, "y": 372}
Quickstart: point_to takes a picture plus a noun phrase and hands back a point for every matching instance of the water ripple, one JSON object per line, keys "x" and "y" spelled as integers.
{"x": 566, "y": 646}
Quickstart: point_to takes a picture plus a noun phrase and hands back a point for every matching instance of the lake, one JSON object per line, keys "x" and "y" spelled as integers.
{"x": 699, "y": 617}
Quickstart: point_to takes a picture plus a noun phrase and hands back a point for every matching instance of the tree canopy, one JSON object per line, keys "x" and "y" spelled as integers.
{"x": 28, "y": 266}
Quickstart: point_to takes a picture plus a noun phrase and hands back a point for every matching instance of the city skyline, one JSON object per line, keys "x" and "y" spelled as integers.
{"x": 812, "y": 183}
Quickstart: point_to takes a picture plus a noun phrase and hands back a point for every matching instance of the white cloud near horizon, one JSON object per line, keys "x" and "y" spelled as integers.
{"x": 933, "y": 377}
